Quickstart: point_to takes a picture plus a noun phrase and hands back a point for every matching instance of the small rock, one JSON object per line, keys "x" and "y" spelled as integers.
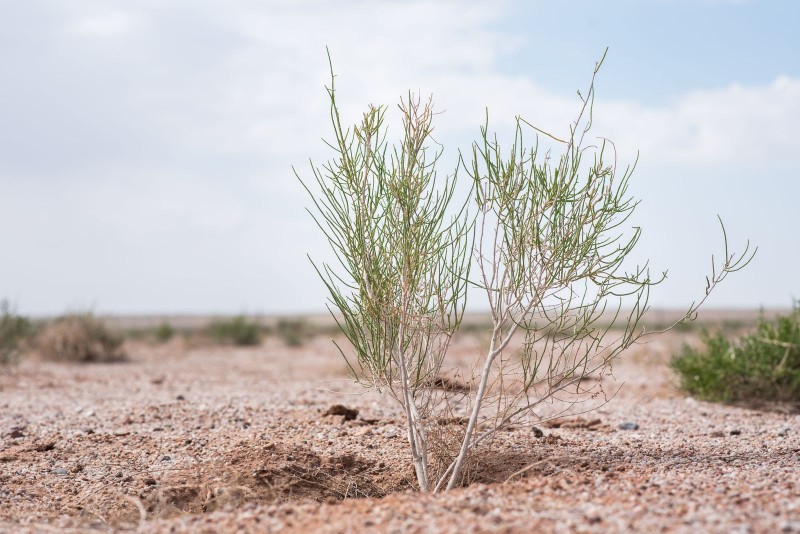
{"x": 16, "y": 432}
{"x": 717, "y": 434}
{"x": 89, "y": 413}
{"x": 537, "y": 432}
{"x": 364, "y": 431}
{"x": 784, "y": 431}
{"x": 166, "y": 458}
{"x": 629, "y": 426}
{"x": 338, "y": 409}
{"x": 180, "y": 397}
{"x": 790, "y": 526}
{"x": 496, "y": 515}
{"x": 735, "y": 432}
{"x": 149, "y": 482}
{"x": 594, "y": 519}
{"x": 60, "y": 471}
{"x": 390, "y": 434}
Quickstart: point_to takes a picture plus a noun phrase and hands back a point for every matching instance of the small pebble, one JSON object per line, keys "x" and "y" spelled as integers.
{"x": 629, "y": 426}
{"x": 790, "y": 526}
{"x": 166, "y": 458}
{"x": 60, "y": 471}
{"x": 537, "y": 432}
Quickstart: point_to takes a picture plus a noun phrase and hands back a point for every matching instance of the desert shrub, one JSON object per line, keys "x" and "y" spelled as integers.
{"x": 763, "y": 366}
{"x": 164, "y": 332}
{"x": 237, "y": 331}
{"x": 13, "y": 331}
{"x": 542, "y": 237}
{"x": 80, "y": 338}
{"x": 293, "y": 332}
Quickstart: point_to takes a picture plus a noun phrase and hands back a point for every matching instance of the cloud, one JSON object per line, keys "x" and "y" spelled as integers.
{"x": 198, "y": 82}
{"x": 147, "y": 143}
{"x": 105, "y": 25}
{"x": 723, "y": 126}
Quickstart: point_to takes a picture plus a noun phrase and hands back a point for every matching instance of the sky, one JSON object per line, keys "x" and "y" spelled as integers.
{"x": 146, "y": 147}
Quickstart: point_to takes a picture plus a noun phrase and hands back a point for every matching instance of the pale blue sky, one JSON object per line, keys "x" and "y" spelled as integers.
{"x": 661, "y": 49}
{"x": 146, "y": 146}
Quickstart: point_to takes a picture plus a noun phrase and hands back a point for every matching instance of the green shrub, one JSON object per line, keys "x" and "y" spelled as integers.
{"x": 80, "y": 338}
{"x": 236, "y": 331}
{"x": 544, "y": 238}
{"x": 13, "y": 330}
{"x": 760, "y": 367}
{"x": 292, "y": 331}
{"x": 164, "y": 332}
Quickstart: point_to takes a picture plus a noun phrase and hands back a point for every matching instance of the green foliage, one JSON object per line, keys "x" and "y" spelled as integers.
{"x": 13, "y": 330}
{"x": 546, "y": 235}
{"x": 760, "y": 367}
{"x": 292, "y": 331}
{"x": 80, "y": 338}
{"x": 164, "y": 332}
{"x": 403, "y": 249}
{"x": 237, "y": 331}
{"x": 404, "y": 263}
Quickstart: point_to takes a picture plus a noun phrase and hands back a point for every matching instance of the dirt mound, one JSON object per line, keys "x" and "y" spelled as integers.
{"x": 271, "y": 474}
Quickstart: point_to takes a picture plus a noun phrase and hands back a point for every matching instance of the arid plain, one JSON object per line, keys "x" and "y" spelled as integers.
{"x": 189, "y": 436}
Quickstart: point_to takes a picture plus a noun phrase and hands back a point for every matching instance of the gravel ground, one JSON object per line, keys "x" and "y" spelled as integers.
{"x": 216, "y": 439}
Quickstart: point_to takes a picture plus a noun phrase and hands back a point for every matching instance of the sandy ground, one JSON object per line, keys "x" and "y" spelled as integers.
{"x": 220, "y": 439}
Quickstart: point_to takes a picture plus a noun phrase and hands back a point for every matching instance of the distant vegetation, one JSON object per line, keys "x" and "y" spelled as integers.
{"x": 293, "y": 332}
{"x": 79, "y": 338}
{"x": 760, "y": 367}
{"x": 236, "y": 331}
{"x": 164, "y": 332}
{"x": 13, "y": 331}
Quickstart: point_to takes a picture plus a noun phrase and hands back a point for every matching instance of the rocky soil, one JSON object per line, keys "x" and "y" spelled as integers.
{"x": 189, "y": 438}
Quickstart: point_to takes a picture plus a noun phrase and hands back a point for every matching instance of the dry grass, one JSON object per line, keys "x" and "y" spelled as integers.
{"x": 79, "y": 338}
{"x": 14, "y": 330}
